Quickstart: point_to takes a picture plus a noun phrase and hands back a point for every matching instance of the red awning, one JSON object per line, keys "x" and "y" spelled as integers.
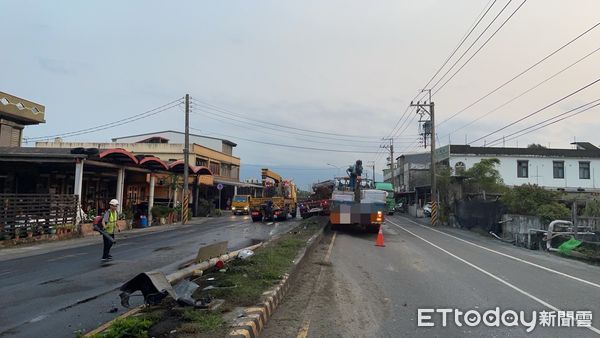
{"x": 118, "y": 155}
{"x": 153, "y": 163}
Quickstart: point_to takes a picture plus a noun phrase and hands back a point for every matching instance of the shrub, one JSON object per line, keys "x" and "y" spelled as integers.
{"x": 553, "y": 211}
{"x": 526, "y": 199}
{"x": 533, "y": 200}
{"x": 161, "y": 211}
{"x": 592, "y": 209}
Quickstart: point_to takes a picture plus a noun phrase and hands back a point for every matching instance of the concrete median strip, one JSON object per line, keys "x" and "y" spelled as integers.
{"x": 173, "y": 279}
{"x": 255, "y": 318}
{"x": 277, "y": 262}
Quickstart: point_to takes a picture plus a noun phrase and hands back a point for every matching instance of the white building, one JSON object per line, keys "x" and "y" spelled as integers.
{"x": 568, "y": 169}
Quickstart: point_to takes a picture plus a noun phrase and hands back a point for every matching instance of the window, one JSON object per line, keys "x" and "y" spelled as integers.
{"x": 523, "y": 169}
{"x": 584, "y": 170}
{"x": 559, "y": 169}
{"x": 215, "y": 168}
{"x": 201, "y": 162}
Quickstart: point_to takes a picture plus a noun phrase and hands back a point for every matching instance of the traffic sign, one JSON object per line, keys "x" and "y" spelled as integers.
{"x": 220, "y": 186}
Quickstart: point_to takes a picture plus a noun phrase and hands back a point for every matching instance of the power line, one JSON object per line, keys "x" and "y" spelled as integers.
{"x": 291, "y": 146}
{"x": 523, "y": 93}
{"x": 472, "y": 44}
{"x": 480, "y": 47}
{"x": 230, "y": 123}
{"x": 480, "y": 17}
{"x": 538, "y": 111}
{"x": 113, "y": 124}
{"x": 542, "y": 125}
{"x": 522, "y": 73}
{"x": 228, "y": 112}
{"x": 217, "y": 117}
{"x": 402, "y": 118}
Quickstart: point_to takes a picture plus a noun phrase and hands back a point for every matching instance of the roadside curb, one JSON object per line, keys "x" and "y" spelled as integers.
{"x": 254, "y": 319}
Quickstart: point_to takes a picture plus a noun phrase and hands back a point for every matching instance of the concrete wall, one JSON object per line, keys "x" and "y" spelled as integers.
{"x": 594, "y": 222}
{"x": 516, "y": 227}
{"x": 540, "y": 171}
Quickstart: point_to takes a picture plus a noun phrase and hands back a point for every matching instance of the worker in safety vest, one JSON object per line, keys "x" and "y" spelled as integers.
{"x": 109, "y": 222}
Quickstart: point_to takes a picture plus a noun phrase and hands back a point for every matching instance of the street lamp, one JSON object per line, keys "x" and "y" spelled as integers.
{"x": 335, "y": 166}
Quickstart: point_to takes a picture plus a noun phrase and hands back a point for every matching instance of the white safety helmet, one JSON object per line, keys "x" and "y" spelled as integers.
{"x": 114, "y": 202}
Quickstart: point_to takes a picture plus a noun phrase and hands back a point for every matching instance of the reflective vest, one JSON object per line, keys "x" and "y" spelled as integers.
{"x": 112, "y": 222}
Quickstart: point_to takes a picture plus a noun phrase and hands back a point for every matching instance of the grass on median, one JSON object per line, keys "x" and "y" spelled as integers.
{"x": 135, "y": 326}
{"x": 245, "y": 280}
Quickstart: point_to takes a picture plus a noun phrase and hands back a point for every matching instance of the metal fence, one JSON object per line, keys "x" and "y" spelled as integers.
{"x": 27, "y": 215}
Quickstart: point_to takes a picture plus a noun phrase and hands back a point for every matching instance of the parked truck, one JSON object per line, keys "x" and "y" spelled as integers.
{"x": 278, "y": 199}
{"x": 355, "y": 203}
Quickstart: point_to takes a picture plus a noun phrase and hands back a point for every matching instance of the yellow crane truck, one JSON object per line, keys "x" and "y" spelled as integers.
{"x": 278, "y": 199}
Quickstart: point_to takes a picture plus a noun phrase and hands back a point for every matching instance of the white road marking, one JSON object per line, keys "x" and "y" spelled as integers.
{"x": 525, "y": 293}
{"x": 509, "y": 256}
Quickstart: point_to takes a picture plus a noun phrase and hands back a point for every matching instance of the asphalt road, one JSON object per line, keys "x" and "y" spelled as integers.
{"x": 369, "y": 291}
{"x": 67, "y": 290}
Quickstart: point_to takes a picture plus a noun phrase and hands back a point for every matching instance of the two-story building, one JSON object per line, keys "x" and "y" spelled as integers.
{"x": 576, "y": 169}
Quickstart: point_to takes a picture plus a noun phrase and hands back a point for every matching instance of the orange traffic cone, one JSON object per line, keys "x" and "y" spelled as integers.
{"x": 379, "y": 241}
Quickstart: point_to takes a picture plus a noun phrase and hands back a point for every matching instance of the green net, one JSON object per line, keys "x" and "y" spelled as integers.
{"x": 569, "y": 245}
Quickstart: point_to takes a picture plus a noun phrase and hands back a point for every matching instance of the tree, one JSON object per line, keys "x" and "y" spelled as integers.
{"x": 536, "y": 146}
{"x": 484, "y": 176}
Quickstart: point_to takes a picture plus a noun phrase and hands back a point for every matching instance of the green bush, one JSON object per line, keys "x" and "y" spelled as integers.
{"x": 218, "y": 212}
{"x": 161, "y": 211}
{"x": 592, "y": 209}
{"x": 526, "y": 199}
{"x": 530, "y": 199}
{"x": 553, "y": 211}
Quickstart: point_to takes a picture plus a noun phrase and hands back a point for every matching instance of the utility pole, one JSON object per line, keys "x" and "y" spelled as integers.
{"x": 186, "y": 163}
{"x": 429, "y": 129}
{"x": 391, "y": 149}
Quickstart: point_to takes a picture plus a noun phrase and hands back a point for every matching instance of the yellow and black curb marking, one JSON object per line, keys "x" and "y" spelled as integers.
{"x": 254, "y": 319}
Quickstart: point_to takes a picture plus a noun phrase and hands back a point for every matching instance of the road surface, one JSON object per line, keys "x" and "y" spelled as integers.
{"x": 68, "y": 290}
{"x": 361, "y": 290}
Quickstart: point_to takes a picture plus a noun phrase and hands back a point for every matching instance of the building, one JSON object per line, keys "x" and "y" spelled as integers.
{"x": 205, "y": 152}
{"x": 15, "y": 114}
{"x": 556, "y": 169}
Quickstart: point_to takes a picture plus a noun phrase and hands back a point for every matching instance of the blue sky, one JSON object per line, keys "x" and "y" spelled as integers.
{"x": 343, "y": 67}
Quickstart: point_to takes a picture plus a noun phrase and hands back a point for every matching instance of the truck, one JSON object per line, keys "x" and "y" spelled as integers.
{"x": 318, "y": 203}
{"x": 241, "y": 204}
{"x": 355, "y": 203}
{"x": 278, "y": 199}
{"x": 390, "y": 201}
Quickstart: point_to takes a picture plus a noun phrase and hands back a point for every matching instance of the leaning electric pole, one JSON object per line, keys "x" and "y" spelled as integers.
{"x": 427, "y": 107}
{"x": 186, "y": 163}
